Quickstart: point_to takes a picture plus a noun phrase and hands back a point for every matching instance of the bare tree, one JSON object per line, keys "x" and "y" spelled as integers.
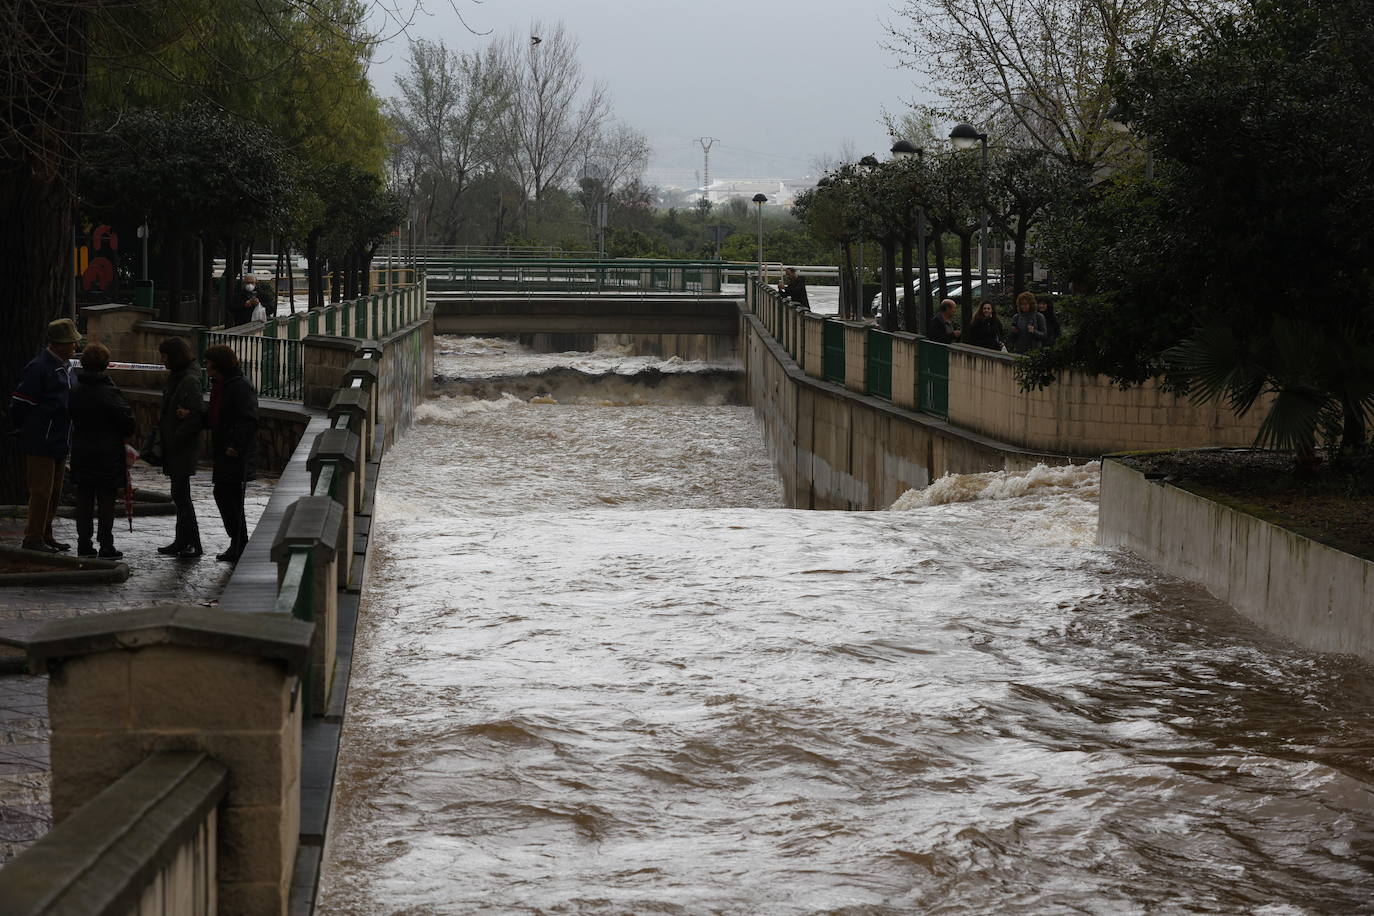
{"x": 447, "y": 119}
{"x": 1036, "y": 72}
{"x": 551, "y": 121}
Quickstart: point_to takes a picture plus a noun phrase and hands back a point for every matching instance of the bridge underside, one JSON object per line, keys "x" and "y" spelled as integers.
{"x": 585, "y": 315}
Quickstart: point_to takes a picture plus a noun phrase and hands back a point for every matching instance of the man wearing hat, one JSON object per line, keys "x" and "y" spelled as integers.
{"x": 38, "y": 410}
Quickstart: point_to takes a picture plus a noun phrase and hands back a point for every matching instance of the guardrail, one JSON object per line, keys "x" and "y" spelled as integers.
{"x": 575, "y": 276}
{"x": 274, "y": 367}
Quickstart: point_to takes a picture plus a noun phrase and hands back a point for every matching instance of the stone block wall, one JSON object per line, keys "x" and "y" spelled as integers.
{"x": 408, "y": 376}
{"x": 326, "y": 359}
{"x": 1081, "y": 414}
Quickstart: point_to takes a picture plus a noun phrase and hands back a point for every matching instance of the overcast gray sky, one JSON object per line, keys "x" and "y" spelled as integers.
{"x": 778, "y": 82}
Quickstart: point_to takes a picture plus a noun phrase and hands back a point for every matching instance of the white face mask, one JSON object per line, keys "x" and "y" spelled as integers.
{"x": 249, "y": 286}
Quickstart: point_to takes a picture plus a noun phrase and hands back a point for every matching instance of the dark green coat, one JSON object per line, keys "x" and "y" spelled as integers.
{"x": 181, "y": 438}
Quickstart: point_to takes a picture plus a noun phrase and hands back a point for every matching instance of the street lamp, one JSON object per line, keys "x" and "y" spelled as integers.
{"x": 966, "y": 137}
{"x": 760, "y": 199}
{"x": 902, "y": 151}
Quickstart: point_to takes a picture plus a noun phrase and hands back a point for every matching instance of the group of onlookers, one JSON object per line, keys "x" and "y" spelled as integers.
{"x": 61, "y": 413}
{"x": 1033, "y": 325}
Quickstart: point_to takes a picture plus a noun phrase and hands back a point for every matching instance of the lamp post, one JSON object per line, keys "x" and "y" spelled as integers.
{"x": 902, "y": 151}
{"x": 760, "y": 200}
{"x": 966, "y": 137}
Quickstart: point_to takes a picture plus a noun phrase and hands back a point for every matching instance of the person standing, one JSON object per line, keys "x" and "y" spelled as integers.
{"x": 1027, "y": 325}
{"x": 233, "y": 422}
{"x": 38, "y": 410}
{"x": 101, "y": 421}
{"x": 179, "y": 424}
{"x": 986, "y": 330}
{"x": 246, "y": 300}
{"x": 1045, "y": 306}
{"x": 793, "y": 286}
{"x": 942, "y": 328}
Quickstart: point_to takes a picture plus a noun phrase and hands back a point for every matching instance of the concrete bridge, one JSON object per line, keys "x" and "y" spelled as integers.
{"x": 607, "y": 313}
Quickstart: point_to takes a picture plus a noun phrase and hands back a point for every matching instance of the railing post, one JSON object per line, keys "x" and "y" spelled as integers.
{"x": 338, "y": 447}
{"x": 365, "y": 371}
{"x": 128, "y": 684}
{"x": 356, "y": 405}
{"x": 316, "y": 524}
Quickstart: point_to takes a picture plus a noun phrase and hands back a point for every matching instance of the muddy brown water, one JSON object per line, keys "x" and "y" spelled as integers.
{"x": 602, "y": 670}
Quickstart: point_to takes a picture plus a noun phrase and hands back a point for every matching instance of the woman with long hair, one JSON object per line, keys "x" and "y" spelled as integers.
{"x": 986, "y": 330}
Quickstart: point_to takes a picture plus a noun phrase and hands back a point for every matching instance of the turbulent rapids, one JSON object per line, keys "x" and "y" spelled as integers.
{"x": 601, "y": 669}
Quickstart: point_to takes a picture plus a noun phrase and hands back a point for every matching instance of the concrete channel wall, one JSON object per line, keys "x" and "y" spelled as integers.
{"x": 1317, "y": 596}
{"x": 837, "y": 449}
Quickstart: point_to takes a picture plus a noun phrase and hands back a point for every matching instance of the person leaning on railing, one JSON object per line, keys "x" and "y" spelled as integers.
{"x": 793, "y": 286}
{"x": 232, "y": 419}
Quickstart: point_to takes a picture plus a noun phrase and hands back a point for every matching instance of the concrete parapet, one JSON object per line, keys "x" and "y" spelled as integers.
{"x": 813, "y": 363}
{"x": 326, "y": 358}
{"x": 356, "y": 404}
{"x": 125, "y": 685}
{"x": 146, "y": 845}
{"x": 1315, "y": 595}
{"x": 340, "y": 448}
{"x": 315, "y": 524}
{"x": 905, "y": 370}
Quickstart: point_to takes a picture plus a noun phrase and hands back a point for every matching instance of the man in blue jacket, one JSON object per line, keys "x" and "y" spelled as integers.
{"x": 38, "y": 410}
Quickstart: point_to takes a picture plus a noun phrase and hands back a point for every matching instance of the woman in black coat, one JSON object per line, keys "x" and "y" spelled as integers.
{"x": 986, "y": 330}
{"x": 233, "y": 422}
{"x": 178, "y": 428}
{"x": 101, "y": 419}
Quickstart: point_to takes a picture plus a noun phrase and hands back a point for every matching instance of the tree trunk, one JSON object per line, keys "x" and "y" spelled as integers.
{"x": 966, "y": 272}
{"x": 314, "y": 278}
{"x": 37, "y": 196}
{"x": 174, "y": 256}
{"x": 940, "y": 263}
{"x": 889, "y": 247}
{"x": 910, "y": 321}
{"x": 1018, "y": 260}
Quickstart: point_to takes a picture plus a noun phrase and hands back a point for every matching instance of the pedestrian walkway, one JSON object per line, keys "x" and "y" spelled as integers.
{"x": 154, "y": 579}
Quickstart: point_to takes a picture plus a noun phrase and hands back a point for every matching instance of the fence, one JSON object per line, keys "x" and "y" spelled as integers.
{"x": 567, "y": 275}
{"x": 272, "y": 354}
{"x": 275, "y": 368}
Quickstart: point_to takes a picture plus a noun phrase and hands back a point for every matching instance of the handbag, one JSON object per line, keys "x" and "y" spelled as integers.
{"x": 152, "y": 448}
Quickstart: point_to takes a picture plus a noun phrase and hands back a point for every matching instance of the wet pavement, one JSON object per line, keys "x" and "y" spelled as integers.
{"x": 154, "y": 579}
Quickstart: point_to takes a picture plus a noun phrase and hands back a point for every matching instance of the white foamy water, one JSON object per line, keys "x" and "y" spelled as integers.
{"x": 600, "y": 669}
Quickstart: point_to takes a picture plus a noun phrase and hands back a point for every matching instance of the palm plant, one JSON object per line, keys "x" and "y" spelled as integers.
{"x": 1312, "y": 372}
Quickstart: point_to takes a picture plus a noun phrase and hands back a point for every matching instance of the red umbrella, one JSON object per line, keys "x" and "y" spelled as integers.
{"x": 130, "y": 456}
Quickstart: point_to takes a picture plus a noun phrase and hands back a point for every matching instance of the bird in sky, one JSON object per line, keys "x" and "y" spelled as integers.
{"x": 535, "y": 39}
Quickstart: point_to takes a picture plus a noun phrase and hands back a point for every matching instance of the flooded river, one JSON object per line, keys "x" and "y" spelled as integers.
{"x": 601, "y": 669}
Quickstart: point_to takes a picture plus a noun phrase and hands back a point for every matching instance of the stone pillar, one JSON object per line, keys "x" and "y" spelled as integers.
{"x": 113, "y": 326}
{"x": 125, "y": 685}
{"x": 338, "y": 447}
{"x": 856, "y": 356}
{"x": 904, "y": 363}
{"x": 315, "y": 524}
{"x": 326, "y": 358}
{"x": 366, "y": 371}
{"x": 814, "y": 362}
{"x": 354, "y": 403}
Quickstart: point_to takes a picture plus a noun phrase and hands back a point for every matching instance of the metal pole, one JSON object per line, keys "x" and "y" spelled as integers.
{"x": 923, "y": 316}
{"x": 760, "y": 206}
{"x": 983, "y": 237}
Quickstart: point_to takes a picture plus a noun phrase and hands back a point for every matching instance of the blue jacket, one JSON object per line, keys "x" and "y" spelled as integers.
{"x": 38, "y": 407}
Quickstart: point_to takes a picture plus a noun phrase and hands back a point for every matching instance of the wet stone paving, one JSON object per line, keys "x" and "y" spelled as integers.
{"x": 153, "y": 579}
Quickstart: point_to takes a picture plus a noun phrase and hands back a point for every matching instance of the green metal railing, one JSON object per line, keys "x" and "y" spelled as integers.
{"x": 932, "y": 385}
{"x": 570, "y": 275}
{"x": 878, "y": 371}
{"x": 273, "y": 366}
{"x": 832, "y": 358}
